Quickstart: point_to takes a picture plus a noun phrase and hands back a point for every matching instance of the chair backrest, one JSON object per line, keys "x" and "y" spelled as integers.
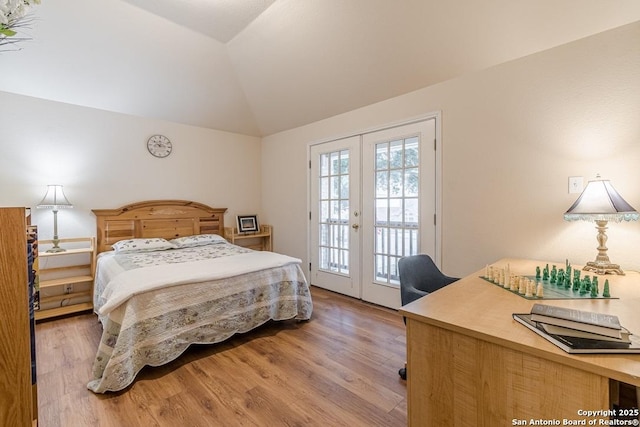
{"x": 419, "y": 276}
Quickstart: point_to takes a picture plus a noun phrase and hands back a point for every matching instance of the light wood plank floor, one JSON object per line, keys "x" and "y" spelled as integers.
{"x": 338, "y": 369}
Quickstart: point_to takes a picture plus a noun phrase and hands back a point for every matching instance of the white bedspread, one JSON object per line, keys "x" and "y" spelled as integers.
{"x": 154, "y": 305}
{"x": 134, "y": 282}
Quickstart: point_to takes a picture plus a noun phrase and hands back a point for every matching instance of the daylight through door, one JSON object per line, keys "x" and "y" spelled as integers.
{"x": 396, "y": 210}
{"x": 373, "y": 200}
{"x": 398, "y": 195}
{"x": 335, "y": 171}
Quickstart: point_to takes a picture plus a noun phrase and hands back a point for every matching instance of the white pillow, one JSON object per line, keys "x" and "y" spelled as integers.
{"x": 198, "y": 240}
{"x": 143, "y": 245}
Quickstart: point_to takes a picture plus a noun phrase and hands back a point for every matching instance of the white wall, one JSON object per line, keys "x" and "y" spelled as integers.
{"x": 102, "y": 160}
{"x": 115, "y": 56}
{"x": 511, "y": 135}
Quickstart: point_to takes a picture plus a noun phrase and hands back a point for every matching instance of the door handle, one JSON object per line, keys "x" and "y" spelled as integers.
{"x": 355, "y": 227}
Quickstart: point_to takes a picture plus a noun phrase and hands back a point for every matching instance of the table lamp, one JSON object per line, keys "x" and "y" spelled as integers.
{"x": 601, "y": 203}
{"x": 55, "y": 199}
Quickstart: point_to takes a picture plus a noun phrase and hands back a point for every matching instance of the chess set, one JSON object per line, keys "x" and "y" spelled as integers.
{"x": 554, "y": 283}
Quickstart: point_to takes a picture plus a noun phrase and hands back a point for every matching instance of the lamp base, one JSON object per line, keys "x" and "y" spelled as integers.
{"x": 55, "y": 249}
{"x": 603, "y": 268}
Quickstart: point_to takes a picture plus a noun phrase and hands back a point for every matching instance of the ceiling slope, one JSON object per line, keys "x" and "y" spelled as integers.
{"x": 219, "y": 19}
{"x": 257, "y": 67}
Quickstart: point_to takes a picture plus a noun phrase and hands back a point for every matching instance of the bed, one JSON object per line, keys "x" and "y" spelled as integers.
{"x": 165, "y": 279}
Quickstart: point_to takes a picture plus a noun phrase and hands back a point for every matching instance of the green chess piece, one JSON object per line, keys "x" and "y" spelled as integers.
{"x": 594, "y": 288}
{"x": 583, "y": 286}
{"x": 538, "y": 272}
{"x": 554, "y": 275}
{"x": 560, "y": 277}
{"x": 605, "y": 291}
{"x": 576, "y": 280}
{"x": 587, "y": 283}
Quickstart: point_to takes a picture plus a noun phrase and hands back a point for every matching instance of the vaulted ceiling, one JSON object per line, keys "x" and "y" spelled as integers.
{"x": 257, "y": 67}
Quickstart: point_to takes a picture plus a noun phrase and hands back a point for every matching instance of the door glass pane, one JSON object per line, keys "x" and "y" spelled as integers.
{"x": 411, "y": 213}
{"x": 324, "y": 211}
{"x": 411, "y": 152}
{"x": 382, "y": 184}
{"x": 324, "y": 165}
{"x": 411, "y": 182}
{"x": 324, "y": 235}
{"x": 382, "y": 156}
{"x": 345, "y": 233}
{"x": 396, "y": 206}
{"x": 382, "y": 211}
{"x": 396, "y": 154}
{"x": 335, "y": 187}
{"x": 381, "y": 268}
{"x": 344, "y": 211}
{"x": 395, "y": 183}
{"x": 344, "y": 162}
{"x": 324, "y": 258}
{"x": 396, "y": 212}
{"x": 344, "y": 187}
{"x": 334, "y": 212}
{"x": 334, "y": 163}
{"x": 324, "y": 188}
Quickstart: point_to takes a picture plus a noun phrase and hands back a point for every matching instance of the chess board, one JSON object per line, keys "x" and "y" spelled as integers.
{"x": 552, "y": 291}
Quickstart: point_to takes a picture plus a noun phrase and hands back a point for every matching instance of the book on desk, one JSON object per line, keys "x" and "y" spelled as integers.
{"x": 579, "y": 332}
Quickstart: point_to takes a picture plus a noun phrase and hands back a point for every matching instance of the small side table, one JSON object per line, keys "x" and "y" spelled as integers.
{"x": 260, "y": 241}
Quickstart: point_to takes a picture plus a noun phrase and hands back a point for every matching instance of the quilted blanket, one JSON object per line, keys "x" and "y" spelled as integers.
{"x": 152, "y": 324}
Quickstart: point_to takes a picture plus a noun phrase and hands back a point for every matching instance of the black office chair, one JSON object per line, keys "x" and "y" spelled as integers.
{"x": 419, "y": 276}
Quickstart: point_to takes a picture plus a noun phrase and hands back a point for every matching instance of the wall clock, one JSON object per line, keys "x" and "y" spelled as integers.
{"x": 159, "y": 146}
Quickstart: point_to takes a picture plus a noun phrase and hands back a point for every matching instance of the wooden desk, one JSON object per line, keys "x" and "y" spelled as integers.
{"x": 470, "y": 364}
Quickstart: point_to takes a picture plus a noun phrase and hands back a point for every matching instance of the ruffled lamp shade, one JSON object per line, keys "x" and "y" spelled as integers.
{"x": 601, "y": 203}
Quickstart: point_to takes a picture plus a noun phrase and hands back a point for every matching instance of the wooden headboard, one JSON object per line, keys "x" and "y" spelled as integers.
{"x": 156, "y": 218}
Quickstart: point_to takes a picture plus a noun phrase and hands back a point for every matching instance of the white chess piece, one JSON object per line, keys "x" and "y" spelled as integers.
{"x": 529, "y": 291}
{"x": 523, "y": 286}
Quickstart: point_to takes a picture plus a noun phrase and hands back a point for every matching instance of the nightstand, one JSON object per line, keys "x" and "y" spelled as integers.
{"x": 260, "y": 240}
{"x": 66, "y": 278}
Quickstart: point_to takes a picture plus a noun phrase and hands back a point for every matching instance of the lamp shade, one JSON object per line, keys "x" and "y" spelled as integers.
{"x": 54, "y": 198}
{"x": 601, "y": 202}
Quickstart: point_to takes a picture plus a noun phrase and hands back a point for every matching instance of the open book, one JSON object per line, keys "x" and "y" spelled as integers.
{"x": 628, "y": 343}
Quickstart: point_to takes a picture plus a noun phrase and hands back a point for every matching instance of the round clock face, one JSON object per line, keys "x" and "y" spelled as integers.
{"x": 159, "y": 146}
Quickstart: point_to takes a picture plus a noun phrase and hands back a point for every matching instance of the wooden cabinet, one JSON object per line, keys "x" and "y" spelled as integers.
{"x": 18, "y": 406}
{"x": 66, "y": 278}
{"x": 260, "y": 240}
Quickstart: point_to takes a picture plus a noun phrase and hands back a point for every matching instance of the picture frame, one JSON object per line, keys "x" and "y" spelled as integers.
{"x": 247, "y": 223}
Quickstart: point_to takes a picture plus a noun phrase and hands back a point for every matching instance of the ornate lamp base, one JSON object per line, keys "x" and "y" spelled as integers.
{"x": 603, "y": 268}
{"x": 602, "y": 265}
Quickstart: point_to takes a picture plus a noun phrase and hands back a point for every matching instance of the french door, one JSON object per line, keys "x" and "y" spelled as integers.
{"x": 335, "y": 215}
{"x": 372, "y": 200}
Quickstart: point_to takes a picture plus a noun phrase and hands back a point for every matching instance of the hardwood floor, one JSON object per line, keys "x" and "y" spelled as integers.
{"x": 338, "y": 369}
